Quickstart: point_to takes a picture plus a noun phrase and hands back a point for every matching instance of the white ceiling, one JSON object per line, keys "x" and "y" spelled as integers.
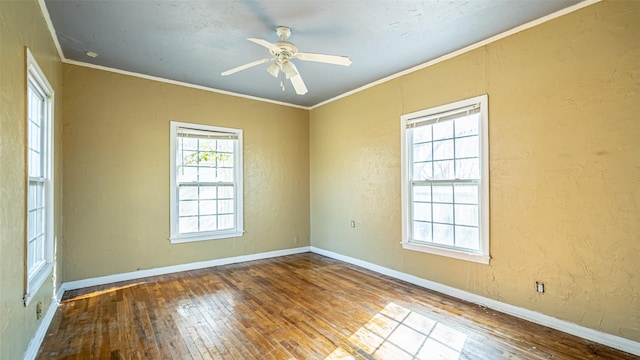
{"x": 194, "y": 41}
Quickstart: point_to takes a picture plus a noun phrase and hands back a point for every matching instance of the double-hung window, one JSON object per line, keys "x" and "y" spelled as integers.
{"x": 445, "y": 180}
{"x": 39, "y": 235}
{"x": 206, "y": 182}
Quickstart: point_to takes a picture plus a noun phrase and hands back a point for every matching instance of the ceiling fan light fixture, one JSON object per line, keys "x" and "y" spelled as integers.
{"x": 274, "y": 69}
{"x": 289, "y": 69}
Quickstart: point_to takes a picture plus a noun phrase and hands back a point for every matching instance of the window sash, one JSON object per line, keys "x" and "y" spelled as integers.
{"x": 201, "y": 214}
{"x": 457, "y": 240}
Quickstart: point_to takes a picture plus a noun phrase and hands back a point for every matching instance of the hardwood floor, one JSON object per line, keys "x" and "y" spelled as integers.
{"x": 302, "y": 306}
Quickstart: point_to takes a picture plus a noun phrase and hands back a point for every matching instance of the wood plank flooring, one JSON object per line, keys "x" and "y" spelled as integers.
{"x": 303, "y": 306}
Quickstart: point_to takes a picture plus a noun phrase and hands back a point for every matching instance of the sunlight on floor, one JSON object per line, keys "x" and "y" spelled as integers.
{"x": 100, "y": 292}
{"x": 399, "y": 333}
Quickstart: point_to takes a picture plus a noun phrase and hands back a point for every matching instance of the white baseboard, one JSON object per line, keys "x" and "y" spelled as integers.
{"x": 41, "y": 331}
{"x": 79, "y": 284}
{"x": 613, "y": 341}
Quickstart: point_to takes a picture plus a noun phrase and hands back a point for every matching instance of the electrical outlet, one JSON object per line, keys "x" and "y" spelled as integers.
{"x": 539, "y": 287}
{"x": 353, "y": 223}
{"x": 296, "y": 239}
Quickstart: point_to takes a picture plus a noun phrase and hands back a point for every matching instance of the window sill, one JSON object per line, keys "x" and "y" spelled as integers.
{"x": 178, "y": 239}
{"x": 461, "y": 255}
{"x": 35, "y": 283}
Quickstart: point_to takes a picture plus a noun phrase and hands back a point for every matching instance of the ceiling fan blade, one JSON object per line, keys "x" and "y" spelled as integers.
{"x": 298, "y": 84}
{"x": 329, "y": 59}
{"x": 265, "y": 43}
{"x": 245, "y": 66}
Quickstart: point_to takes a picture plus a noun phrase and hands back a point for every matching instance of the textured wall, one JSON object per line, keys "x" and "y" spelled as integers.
{"x": 21, "y": 24}
{"x": 564, "y": 99}
{"x": 116, "y": 173}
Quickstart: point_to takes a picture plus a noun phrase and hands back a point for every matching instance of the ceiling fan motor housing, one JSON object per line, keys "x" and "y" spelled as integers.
{"x": 287, "y": 49}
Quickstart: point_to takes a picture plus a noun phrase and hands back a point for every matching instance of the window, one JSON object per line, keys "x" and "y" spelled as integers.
{"x": 39, "y": 236}
{"x": 206, "y": 182}
{"x": 445, "y": 180}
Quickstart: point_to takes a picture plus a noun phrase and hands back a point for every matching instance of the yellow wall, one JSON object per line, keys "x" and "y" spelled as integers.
{"x": 116, "y": 172}
{"x": 22, "y": 24}
{"x": 564, "y": 152}
{"x": 564, "y": 99}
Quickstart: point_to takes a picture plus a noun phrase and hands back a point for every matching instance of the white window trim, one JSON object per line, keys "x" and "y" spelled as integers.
{"x": 34, "y": 283}
{"x": 483, "y": 256}
{"x": 238, "y": 231}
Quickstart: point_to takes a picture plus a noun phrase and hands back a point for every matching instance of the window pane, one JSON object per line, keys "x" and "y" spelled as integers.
{"x": 443, "y": 150}
{"x": 207, "y": 207}
{"x": 30, "y": 255}
{"x": 422, "y": 211}
{"x": 206, "y": 145}
{"x": 468, "y": 168}
{"x": 225, "y": 146}
{"x": 186, "y": 143}
{"x": 423, "y": 171}
{"x": 467, "y": 237}
{"x": 466, "y": 215}
{"x": 421, "y": 134}
{"x": 188, "y": 193}
{"x": 225, "y": 222}
{"x": 466, "y": 194}
{"x": 225, "y": 160}
{"x": 35, "y": 166}
{"x": 187, "y": 174}
{"x": 208, "y": 192}
{"x": 188, "y": 208}
{"x": 422, "y": 152}
{"x": 443, "y": 213}
{"x": 207, "y": 174}
{"x": 421, "y": 193}
{"x": 468, "y": 147}
{"x": 443, "y": 193}
{"x": 442, "y": 130}
{"x": 225, "y": 192}
{"x": 34, "y": 136}
{"x": 188, "y": 224}
{"x": 225, "y": 206}
{"x": 443, "y": 234}
{"x": 32, "y": 201}
{"x": 207, "y": 158}
{"x": 225, "y": 175}
{"x": 208, "y": 223}
{"x": 31, "y": 228}
{"x": 40, "y": 194}
{"x": 443, "y": 170}
{"x": 39, "y": 221}
{"x": 189, "y": 158}
{"x": 467, "y": 125}
{"x": 422, "y": 231}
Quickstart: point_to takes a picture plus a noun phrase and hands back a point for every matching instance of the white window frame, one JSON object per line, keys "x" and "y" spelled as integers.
{"x": 481, "y": 256}
{"x": 37, "y": 274}
{"x": 238, "y": 230}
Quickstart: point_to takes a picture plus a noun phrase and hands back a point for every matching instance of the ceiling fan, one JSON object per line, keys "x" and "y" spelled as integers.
{"x": 282, "y": 53}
